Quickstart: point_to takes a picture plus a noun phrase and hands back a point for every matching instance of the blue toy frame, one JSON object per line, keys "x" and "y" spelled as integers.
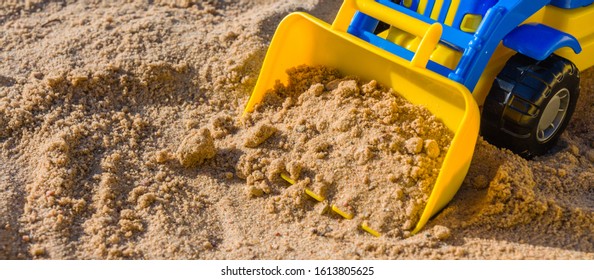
{"x": 501, "y": 22}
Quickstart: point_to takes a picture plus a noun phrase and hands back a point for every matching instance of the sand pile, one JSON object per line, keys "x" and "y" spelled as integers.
{"x": 358, "y": 146}
{"x": 120, "y": 138}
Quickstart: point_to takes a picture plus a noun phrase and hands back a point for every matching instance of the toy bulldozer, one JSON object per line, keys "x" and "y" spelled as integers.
{"x": 516, "y": 59}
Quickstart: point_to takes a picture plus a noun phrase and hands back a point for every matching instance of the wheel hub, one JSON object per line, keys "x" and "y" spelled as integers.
{"x": 553, "y": 115}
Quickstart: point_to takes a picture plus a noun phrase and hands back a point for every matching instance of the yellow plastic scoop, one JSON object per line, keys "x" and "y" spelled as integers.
{"x": 303, "y": 39}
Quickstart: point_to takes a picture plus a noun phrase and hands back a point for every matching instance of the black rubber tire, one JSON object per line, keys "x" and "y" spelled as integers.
{"x": 518, "y": 98}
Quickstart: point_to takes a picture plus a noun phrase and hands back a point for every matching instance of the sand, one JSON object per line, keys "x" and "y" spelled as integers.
{"x": 120, "y": 138}
{"x": 356, "y": 147}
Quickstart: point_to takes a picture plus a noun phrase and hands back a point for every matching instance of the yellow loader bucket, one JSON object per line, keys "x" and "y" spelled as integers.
{"x": 303, "y": 39}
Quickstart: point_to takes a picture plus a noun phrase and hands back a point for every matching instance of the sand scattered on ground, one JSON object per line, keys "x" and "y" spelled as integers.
{"x": 100, "y": 104}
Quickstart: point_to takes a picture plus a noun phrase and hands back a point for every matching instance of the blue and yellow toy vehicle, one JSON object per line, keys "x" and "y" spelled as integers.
{"x": 516, "y": 59}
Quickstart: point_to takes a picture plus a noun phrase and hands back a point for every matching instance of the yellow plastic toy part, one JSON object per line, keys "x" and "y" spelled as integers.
{"x": 407, "y": 3}
{"x": 430, "y": 33}
{"x": 442, "y": 54}
{"x": 436, "y": 9}
{"x": 344, "y": 214}
{"x": 314, "y": 195}
{"x": 452, "y": 12}
{"x": 303, "y": 39}
{"x": 366, "y": 228}
{"x": 470, "y": 23}
{"x": 287, "y": 178}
